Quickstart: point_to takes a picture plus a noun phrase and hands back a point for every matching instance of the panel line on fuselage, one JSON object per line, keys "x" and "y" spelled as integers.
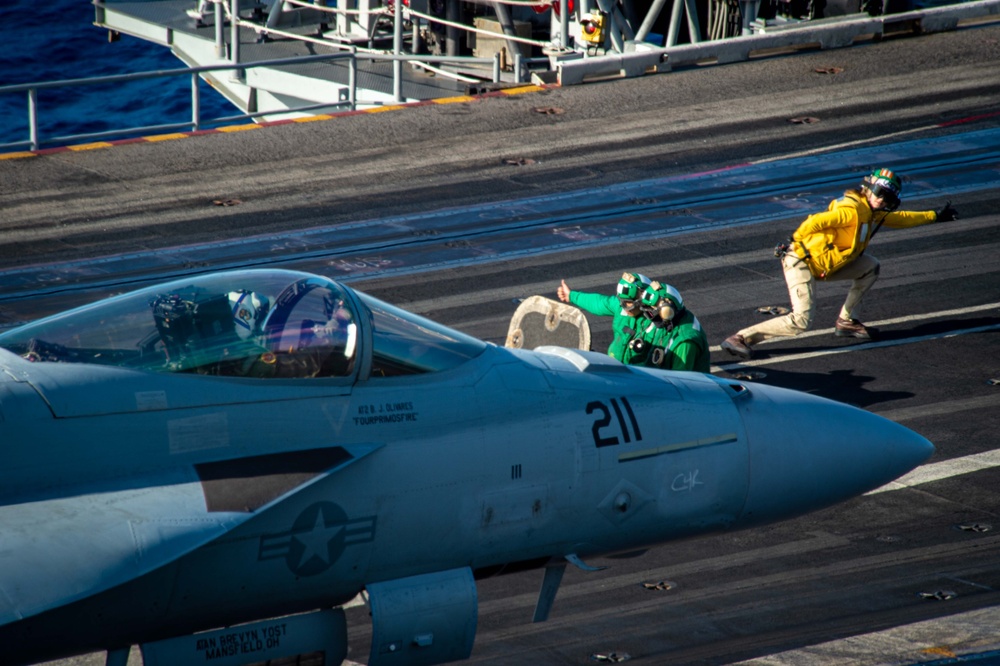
{"x": 728, "y": 438}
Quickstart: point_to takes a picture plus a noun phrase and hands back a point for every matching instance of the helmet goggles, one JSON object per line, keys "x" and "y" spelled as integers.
{"x": 661, "y": 304}
{"x": 630, "y": 289}
{"x": 650, "y": 298}
{"x": 885, "y": 185}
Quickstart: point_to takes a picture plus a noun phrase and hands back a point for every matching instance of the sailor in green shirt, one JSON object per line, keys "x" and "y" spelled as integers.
{"x": 672, "y": 332}
{"x": 624, "y": 307}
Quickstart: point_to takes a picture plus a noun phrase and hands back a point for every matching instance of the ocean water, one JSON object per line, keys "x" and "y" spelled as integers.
{"x": 57, "y": 40}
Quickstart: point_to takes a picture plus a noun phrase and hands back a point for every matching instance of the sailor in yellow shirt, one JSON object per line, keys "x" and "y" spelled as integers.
{"x": 831, "y": 246}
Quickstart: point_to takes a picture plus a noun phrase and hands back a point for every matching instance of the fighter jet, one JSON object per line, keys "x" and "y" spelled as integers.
{"x": 210, "y": 468}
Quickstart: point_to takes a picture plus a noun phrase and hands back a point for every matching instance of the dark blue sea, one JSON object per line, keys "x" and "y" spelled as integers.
{"x": 56, "y": 40}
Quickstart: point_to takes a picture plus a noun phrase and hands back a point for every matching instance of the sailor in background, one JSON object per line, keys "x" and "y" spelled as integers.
{"x": 627, "y": 344}
{"x": 674, "y": 335}
{"x": 831, "y": 246}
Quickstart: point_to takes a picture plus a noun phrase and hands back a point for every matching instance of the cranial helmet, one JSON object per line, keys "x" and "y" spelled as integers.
{"x": 884, "y": 183}
{"x": 629, "y": 290}
{"x": 663, "y": 301}
{"x": 631, "y": 285}
{"x": 249, "y": 310}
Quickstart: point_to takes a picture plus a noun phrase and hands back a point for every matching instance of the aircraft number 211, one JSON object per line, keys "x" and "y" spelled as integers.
{"x": 605, "y": 432}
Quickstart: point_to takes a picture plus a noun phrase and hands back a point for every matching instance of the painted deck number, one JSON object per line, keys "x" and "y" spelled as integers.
{"x": 605, "y": 432}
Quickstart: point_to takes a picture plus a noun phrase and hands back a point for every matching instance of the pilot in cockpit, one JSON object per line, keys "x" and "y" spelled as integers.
{"x": 310, "y": 334}
{"x": 249, "y": 312}
{"x": 318, "y": 337}
{"x": 307, "y": 330}
{"x": 336, "y": 331}
{"x": 216, "y": 335}
{"x": 251, "y": 324}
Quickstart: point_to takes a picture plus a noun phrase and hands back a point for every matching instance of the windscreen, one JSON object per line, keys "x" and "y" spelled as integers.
{"x": 251, "y": 323}
{"x": 405, "y": 343}
{"x": 254, "y": 323}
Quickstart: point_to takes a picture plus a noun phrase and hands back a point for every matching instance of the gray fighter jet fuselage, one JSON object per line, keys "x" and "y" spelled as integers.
{"x": 162, "y": 475}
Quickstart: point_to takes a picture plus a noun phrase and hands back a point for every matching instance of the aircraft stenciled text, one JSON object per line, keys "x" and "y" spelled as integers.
{"x": 606, "y": 429}
{"x": 242, "y": 642}
{"x": 686, "y": 482}
{"x": 385, "y": 412}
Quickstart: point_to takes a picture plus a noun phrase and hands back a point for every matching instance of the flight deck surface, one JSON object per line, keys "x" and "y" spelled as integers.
{"x": 908, "y": 575}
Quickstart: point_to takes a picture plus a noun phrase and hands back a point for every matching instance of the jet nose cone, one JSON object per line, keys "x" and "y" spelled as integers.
{"x": 910, "y": 450}
{"x": 807, "y": 452}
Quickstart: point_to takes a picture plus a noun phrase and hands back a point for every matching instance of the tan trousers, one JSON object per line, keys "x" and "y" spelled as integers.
{"x": 801, "y": 287}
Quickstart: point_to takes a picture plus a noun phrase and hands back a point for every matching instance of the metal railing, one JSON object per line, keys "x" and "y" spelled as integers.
{"x": 34, "y": 141}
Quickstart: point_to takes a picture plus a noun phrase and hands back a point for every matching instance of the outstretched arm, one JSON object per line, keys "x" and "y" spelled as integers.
{"x": 563, "y": 292}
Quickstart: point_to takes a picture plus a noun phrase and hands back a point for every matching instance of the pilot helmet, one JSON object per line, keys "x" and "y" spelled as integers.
{"x": 249, "y": 310}
{"x": 886, "y": 184}
{"x": 661, "y": 302}
{"x": 629, "y": 290}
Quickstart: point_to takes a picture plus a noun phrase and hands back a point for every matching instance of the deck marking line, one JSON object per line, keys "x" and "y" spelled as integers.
{"x": 736, "y": 365}
{"x": 893, "y": 135}
{"x": 164, "y": 137}
{"x": 520, "y": 90}
{"x": 883, "y": 322}
{"x": 977, "y": 462}
{"x": 983, "y": 402}
{"x": 855, "y": 348}
{"x": 90, "y": 146}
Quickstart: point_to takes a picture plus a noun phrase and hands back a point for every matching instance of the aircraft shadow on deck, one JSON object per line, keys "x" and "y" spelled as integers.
{"x": 840, "y": 385}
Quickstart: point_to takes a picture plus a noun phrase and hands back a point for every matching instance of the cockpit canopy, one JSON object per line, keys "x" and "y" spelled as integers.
{"x": 250, "y": 323}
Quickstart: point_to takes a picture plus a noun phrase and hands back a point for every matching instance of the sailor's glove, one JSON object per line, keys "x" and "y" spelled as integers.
{"x": 947, "y": 214}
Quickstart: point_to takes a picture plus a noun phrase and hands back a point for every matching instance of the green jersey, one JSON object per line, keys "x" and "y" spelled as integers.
{"x": 625, "y": 328}
{"x": 684, "y": 347}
